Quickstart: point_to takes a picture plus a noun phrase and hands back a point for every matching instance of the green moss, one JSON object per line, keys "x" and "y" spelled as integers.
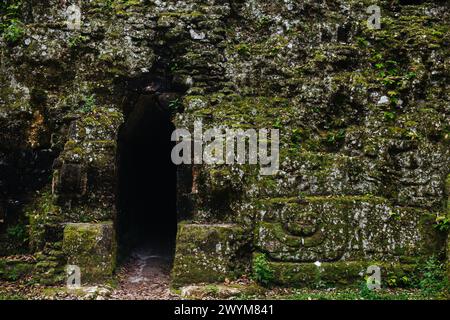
{"x": 331, "y": 274}
{"x": 12, "y": 296}
{"x": 11, "y": 27}
{"x": 262, "y": 272}
{"x": 43, "y": 216}
{"x": 353, "y": 294}
{"x": 11, "y": 270}
{"x": 206, "y": 253}
{"x": 239, "y": 112}
{"x": 447, "y": 190}
{"x": 91, "y": 247}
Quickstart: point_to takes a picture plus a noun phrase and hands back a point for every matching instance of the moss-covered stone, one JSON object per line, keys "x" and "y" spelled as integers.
{"x": 331, "y": 274}
{"x": 219, "y": 291}
{"x": 45, "y": 221}
{"x": 92, "y": 247}
{"x": 362, "y": 114}
{"x": 447, "y": 191}
{"x": 342, "y": 228}
{"x": 13, "y": 269}
{"x": 207, "y": 253}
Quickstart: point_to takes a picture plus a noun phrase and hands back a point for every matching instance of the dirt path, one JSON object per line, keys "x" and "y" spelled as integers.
{"x": 146, "y": 276}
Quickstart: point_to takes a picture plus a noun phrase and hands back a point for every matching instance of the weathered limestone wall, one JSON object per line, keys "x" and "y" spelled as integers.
{"x": 363, "y": 114}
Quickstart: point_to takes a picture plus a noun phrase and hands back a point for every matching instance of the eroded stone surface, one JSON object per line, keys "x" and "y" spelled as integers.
{"x": 207, "y": 253}
{"x": 346, "y": 228}
{"x": 92, "y": 248}
{"x": 362, "y": 113}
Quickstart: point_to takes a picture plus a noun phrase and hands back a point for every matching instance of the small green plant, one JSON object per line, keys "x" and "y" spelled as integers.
{"x": 362, "y": 42}
{"x": 411, "y": 75}
{"x": 18, "y": 233}
{"x": 174, "y": 67}
{"x": 442, "y": 223}
{"x": 118, "y": 6}
{"x": 212, "y": 289}
{"x": 366, "y": 293}
{"x": 391, "y": 74}
{"x": 278, "y": 124}
{"x": 75, "y": 41}
{"x": 389, "y": 115}
{"x": 262, "y": 272}
{"x": 296, "y": 137}
{"x": 405, "y": 281}
{"x": 433, "y": 280}
{"x": 392, "y": 282}
{"x": 243, "y": 49}
{"x": 10, "y": 25}
{"x": 88, "y": 104}
{"x": 175, "y": 105}
{"x": 14, "y": 32}
{"x": 263, "y": 22}
{"x": 335, "y": 137}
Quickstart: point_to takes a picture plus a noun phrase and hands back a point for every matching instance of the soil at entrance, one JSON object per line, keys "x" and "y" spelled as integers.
{"x": 145, "y": 276}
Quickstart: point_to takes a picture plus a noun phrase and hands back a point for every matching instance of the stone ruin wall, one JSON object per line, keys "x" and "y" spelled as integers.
{"x": 363, "y": 114}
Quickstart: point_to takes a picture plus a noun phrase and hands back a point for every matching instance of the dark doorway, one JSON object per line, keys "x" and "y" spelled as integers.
{"x": 147, "y": 180}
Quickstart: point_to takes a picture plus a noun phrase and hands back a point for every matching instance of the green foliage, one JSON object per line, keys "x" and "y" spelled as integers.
{"x": 14, "y": 32}
{"x": 9, "y": 296}
{"x": 296, "y": 137}
{"x": 175, "y": 105}
{"x": 89, "y": 103}
{"x": 10, "y": 25}
{"x": 174, "y": 66}
{"x": 389, "y": 116}
{"x": 442, "y": 223}
{"x": 367, "y": 294}
{"x": 243, "y": 49}
{"x": 335, "y": 137}
{"x": 434, "y": 279}
{"x": 262, "y": 272}
{"x": 118, "y": 6}
{"x": 394, "y": 281}
{"x": 75, "y": 41}
{"x": 361, "y": 293}
{"x": 263, "y": 22}
{"x": 212, "y": 289}
{"x": 362, "y": 42}
{"x": 18, "y": 233}
{"x": 278, "y": 124}
{"x": 391, "y": 74}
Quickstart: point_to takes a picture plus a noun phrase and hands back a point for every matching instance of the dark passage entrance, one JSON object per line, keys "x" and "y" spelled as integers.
{"x": 147, "y": 180}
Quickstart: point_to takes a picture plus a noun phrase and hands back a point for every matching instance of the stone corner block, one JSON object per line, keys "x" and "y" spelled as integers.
{"x": 206, "y": 253}
{"x": 92, "y": 247}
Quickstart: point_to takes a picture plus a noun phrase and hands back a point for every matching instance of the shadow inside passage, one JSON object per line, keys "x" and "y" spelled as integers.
{"x": 146, "y": 181}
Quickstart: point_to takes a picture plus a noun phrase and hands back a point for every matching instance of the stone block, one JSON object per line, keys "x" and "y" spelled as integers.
{"x": 447, "y": 192}
{"x": 71, "y": 179}
{"x": 340, "y": 273}
{"x": 92, "y": 247}
{"x": 206, "y": 253}
{"x": 344, "y": 228}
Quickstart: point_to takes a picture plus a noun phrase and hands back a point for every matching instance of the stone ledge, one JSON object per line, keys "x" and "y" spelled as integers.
{"x": 338, "y": 274}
